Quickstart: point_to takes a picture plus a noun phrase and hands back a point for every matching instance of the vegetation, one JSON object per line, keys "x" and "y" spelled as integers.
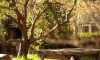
{"x": 32, "y": 11}
{"x": 3, "y": 29}
{"x": 41, "y": 21}
{"x": 3, "y": 33}
{"x": 89, "y": 35}
{"x": 30, "y": 57}
{"x": 34, "y": 57}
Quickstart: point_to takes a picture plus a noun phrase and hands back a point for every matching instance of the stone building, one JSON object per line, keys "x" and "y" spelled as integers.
{"x": 86, "y": 24}
{"x": 13, "y": 33}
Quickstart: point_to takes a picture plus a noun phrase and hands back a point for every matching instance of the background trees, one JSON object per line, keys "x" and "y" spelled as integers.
{"x": 50, "y": 21}
{"x": 37, "y": 20}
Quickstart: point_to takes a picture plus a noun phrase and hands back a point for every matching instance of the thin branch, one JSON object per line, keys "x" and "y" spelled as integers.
{"x": 98, "y": 9}
{"x": 44, "y": 35}
{"x": 56, "y": 3}
{"x": 4, "y": 7}
{"x": 32, "y": 12}
{"x": 51, "y": 30}
{"x": 55, "y": 16}
{"x": 48, "y": 32}
{"x": 25, "y": 8}
{"x": 14, "y": 20}
{"x": 11, "y": 17}
{"x": 13, "y": 3}
{"x": 34, "y": 21}
{"x": 70, "y": 11}
{"x": 33, "y": 4}
{"x": 72, "y": 7}
{"x": 60, "y": 2}
{"x": 19, "y": 15}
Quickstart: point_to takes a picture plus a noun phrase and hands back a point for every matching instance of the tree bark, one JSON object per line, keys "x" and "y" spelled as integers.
{"x": 23, "y": 50}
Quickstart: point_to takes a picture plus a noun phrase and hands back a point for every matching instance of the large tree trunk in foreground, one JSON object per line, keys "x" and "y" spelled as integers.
{"x": 23, "y": 50}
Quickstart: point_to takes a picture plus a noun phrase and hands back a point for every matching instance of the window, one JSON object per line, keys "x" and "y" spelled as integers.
{"x": 94, "y": 29}
{"x": 85, "y": 28}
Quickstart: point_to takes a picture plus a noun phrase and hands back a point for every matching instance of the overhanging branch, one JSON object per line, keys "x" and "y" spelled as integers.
{"x": 35, "y": 19}
{"x": 42, "y": 36}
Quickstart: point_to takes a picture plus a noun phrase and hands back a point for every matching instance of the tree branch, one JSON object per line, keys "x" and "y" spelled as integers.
{"x": 51, "y": 30}
{"x": 56, "y": 3}
{"x": 19, "y": 15}
{"x": 11, "y": 17}
{"x": 34, "y": 21}
{"x": 55, "y": 16}
{"x": 4, "y": 7}
{"x": 70, "y": 11}
{"x": 14, "y": 20}
{"x": 44, "y": 35}
{"x": 25, "y": 8}
{"x": 98, "y": 9}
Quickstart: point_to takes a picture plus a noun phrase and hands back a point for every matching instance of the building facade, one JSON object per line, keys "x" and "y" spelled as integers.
{"x": 86, "y": 24}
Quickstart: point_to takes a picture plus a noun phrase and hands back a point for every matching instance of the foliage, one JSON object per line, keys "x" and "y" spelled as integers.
{"x": 3, "y": 28}
{"x": 30, "y": 57}
{"x": 39, "y": 19}
{"x": 87, "y": 58}
{"x": 89, "y": 35}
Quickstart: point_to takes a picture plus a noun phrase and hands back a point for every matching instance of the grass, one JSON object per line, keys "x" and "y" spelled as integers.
{"x": 30, "y": 57}
{"x": 86, "y": 58}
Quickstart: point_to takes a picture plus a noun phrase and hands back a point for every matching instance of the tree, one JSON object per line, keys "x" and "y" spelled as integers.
{"x": 24, "y": 11}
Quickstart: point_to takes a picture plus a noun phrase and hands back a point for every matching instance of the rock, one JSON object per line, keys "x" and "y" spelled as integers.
{"x": 4, "y": 57}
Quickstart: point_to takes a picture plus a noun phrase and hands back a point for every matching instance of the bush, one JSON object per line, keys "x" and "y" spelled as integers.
{"x": 89, "y": 35}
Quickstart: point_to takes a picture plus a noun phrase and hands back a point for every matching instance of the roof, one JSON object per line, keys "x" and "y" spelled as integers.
{"x": 86, "y": 19}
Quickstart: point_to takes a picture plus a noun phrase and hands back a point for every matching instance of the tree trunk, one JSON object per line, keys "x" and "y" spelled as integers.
{"x": 23, "y": 50}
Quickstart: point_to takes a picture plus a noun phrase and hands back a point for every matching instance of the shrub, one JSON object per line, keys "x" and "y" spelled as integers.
{"x": 89, "y": 35}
